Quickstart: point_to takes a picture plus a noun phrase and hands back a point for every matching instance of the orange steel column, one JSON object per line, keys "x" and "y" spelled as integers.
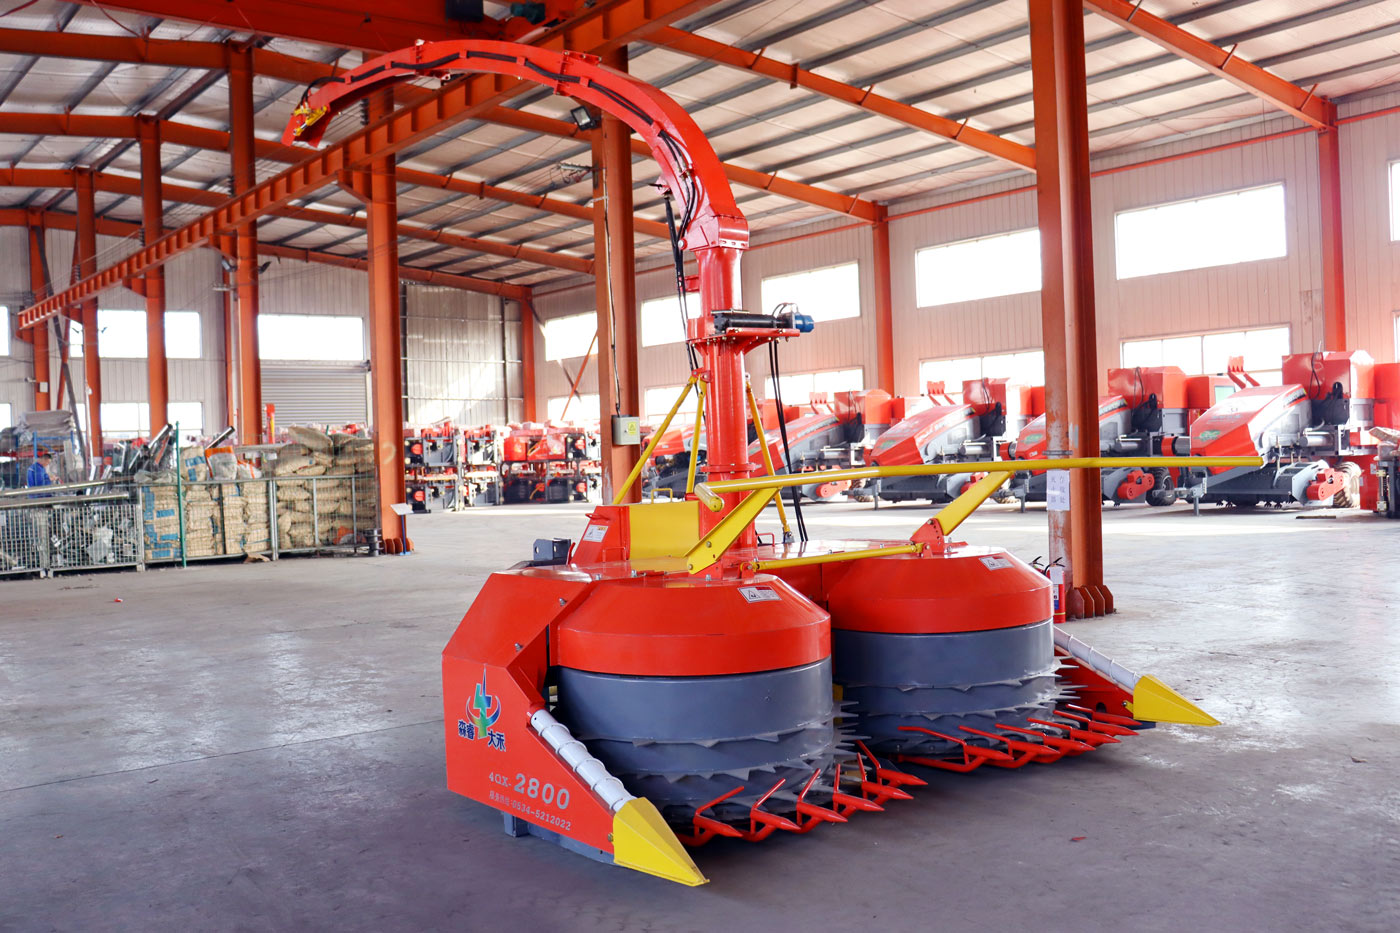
{"x": 1067, "y": 290}
{"x": 527, "y": 358}
{"x": 1334, "y": 304}
{"x": 152, "y": 228}
{"x": 884, "y": 304}
{"x": 380, "y": 193}
{"x": 243, "y": 165}
{"x": 618, "y": 382}
{"x": 39, "y": 334}
{"x": 85, "y": 247}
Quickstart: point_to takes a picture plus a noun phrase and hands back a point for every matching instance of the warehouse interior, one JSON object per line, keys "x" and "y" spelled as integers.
{"x": 618, "y": 464}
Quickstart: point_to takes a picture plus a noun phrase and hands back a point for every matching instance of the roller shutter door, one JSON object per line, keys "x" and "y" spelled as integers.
{"x": 306, "y": 393}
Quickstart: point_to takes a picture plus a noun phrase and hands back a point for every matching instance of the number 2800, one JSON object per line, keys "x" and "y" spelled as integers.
{"x": 545, "y": 793}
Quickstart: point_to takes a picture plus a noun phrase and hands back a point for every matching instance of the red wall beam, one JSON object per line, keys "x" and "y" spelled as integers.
{"x": 451, "y": 104}
{"x": 1067, "y": 290}
{"x": 373, "y": 25}
{"x": 378, "y": 190}
{"x": 863, "y": 99}
{"x": 1334, "y": 303}
{"x": 884, "y": 302}
{"x": 619, "y": 385}
{"x": 184, "y": 134}
{"x": 39, "y": 336}
{"x": 424, "y": 276}
{"x": 1269, "y": 87}
{"x": 243, "y": 167}
{"x": 134, "y": 187}
{"x": 19, "y": 217}
{"x": 85, "y": 250}
{"x": 152, "y": 229}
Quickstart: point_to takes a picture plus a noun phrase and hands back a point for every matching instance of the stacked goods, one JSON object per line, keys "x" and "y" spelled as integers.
{"x": 203, "y": 506}
{"x": 160, "y": 519}
{"x": 256, "y": 528}
{"x": 318, "y": 502}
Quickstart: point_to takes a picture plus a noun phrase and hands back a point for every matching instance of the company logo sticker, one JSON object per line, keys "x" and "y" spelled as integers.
{"x": 482, "y": 712}
{"x": 1208, "y": 436}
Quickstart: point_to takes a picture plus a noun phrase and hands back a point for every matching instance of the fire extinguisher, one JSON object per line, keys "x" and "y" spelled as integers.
{"x": 1055, "y": 572}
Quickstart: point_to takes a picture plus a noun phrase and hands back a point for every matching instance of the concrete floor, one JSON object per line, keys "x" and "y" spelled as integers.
{"x": 257, "y": 748}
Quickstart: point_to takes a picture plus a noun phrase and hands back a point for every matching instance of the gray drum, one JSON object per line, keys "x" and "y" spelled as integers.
{"x": 683, "y": 741}
{"x": 941, "y": 681}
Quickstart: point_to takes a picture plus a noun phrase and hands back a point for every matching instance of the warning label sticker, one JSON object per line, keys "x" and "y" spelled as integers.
{"x": 759, "y": 594}
{"x": 595, "y": 533}
{"x": 995, "y": 563}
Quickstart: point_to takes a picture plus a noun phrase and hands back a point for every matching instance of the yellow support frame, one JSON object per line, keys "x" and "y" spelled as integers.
{"x": 708, "y": 551}
{"x": 767, "y": 454}
{"x": 695, "y": 437}
{"x": 710, "y": 493}
{"x": 655, "y": 438}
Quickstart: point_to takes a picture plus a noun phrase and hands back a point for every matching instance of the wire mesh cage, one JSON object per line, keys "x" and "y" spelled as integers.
{"x": 72, "y": 533}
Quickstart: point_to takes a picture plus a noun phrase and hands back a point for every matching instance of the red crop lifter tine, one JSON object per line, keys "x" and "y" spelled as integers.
{"x": 1028, "y": 752}
{"x": 1103, "y": 728}
{"x": 1079, "y": 735}
{"x": 1107, "y": 718}
{"x": 892, "y": 776}
{"x": 817, "y": 815}
{"x": 1060, "y": 744}
{"x": 707, "y": 827}
{"x": 877, "y": 788}
{"x": 846, "y": 804}
{"x": 768, "y": 821}
{"x": 973, "y": 756}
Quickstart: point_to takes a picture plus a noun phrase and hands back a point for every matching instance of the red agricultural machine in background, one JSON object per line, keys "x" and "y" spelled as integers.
{"x": 549, "y": 463}
{"x": 1147, "y": 413}
{"x": 834, "y": 436}
{"x": 944, "y": 431}
{"x": 1314, "y": 433}
{"x": 669, "y": 680}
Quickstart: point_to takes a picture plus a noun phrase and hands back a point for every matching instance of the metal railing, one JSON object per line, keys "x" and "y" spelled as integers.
{"x": 181, "y": 521}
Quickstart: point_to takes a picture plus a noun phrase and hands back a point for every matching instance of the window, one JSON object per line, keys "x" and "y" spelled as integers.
{"x": 566, "y": 338}
{"x": 6, "y": 418}
{"x": 1395, "y": 200}
{"x": 1263, "y": 351}
{"x": 582, "y": 408}
{"x": 1026, "y": 368}
{"x": 661, "y": 321}
{"x": 5, "y": 332}
{"x": 656, "y": 402}
{"x": 1221, "y": 230}
{"x": 1008, "y": 264}
{"x": 122, "y": 335}
{"x": 320, "y": 337}
{"x": 125, "y": 420}
{"x": 189, "y": 416}
{"x": 798, "y": 388}
{"x": 1022, "y": 369}
{"x": 823, "y": 294}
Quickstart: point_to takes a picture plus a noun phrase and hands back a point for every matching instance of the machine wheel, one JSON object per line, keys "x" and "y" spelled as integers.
{"x": 1350, "y": 497}
{"x": 1163, "y": 491}
{"x": 1005, "y": 496}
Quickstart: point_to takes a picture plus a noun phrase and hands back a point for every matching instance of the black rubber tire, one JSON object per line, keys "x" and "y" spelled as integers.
{"x": 1163, "y": 491}
{"x": 1350, "y": 496}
